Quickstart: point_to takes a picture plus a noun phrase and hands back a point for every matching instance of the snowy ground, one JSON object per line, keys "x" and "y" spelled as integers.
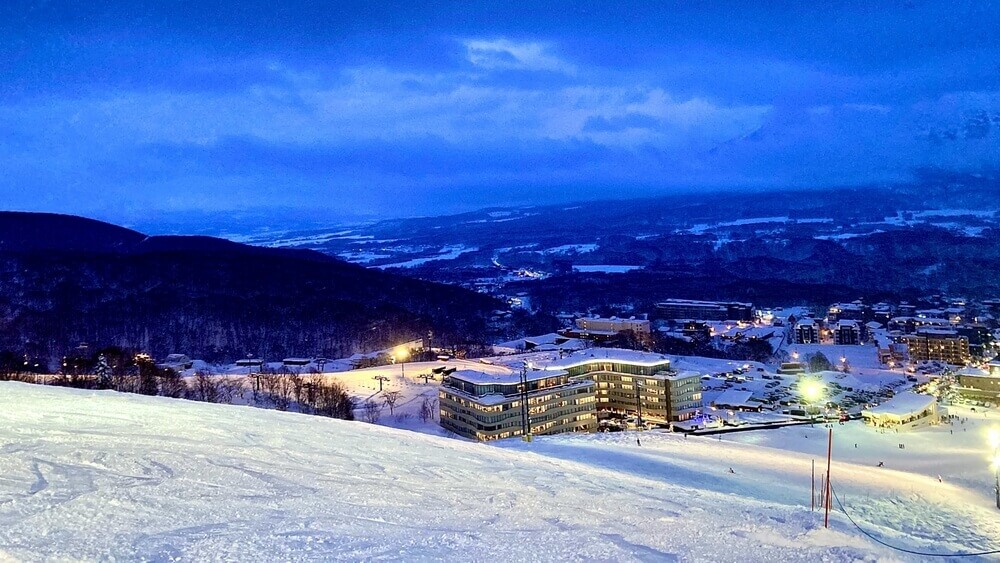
{"x": 413, "y": 389}
{"x": 100, "y": 475}
{"x": 956, "y": 452}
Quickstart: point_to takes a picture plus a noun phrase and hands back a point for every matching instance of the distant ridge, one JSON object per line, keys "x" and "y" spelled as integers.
{"x": 29, "y": 232}
{"x": 66, "y": 280}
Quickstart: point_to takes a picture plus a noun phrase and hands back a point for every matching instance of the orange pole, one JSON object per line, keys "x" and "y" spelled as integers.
{"x": 829, "y": 457}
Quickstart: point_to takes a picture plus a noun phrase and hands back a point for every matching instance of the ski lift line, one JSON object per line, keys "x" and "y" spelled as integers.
{"x": 903, "y": 549}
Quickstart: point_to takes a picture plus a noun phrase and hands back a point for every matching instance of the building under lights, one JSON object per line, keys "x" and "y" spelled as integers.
{"x": 487, "y": 406}
{"x": 665, "y": 395}
{"x": 905, "y": 411}
{"x": 568, "y": 394}
{"x": 944, "y": 345}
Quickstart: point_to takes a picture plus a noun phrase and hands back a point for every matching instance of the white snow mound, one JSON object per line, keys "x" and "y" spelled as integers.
{"x": 101, "y": 475}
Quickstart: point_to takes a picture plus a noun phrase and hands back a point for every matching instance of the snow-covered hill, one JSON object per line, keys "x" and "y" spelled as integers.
{"x": 99, "y": 475}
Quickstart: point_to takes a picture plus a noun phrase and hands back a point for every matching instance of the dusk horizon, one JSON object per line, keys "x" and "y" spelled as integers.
{"x": 366, "y": 109}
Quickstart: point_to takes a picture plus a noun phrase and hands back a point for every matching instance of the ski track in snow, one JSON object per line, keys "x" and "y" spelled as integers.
{"x": 100, "y": 475}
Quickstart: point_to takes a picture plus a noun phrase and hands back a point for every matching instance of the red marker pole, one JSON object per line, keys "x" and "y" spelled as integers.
{"x": 829, "y": 457}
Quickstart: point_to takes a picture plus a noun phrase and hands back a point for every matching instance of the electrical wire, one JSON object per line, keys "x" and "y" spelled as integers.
{"x": 903, "y": 549}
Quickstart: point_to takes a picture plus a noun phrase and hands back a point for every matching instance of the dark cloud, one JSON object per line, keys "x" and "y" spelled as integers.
{"x": 187, "y": 104}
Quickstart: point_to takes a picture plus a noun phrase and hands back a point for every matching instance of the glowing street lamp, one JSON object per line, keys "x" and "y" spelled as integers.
{"x": 812, "y": 390}
{"x": 400, "y": 353}
{"x": 795, "y": 355}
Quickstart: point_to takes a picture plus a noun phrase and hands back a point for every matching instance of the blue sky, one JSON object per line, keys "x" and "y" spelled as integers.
{"x": 397, "y": 108}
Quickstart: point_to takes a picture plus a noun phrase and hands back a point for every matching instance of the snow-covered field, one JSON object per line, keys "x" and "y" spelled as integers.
{"x": 99, "y": 475}
{"x": 604, "y": 268}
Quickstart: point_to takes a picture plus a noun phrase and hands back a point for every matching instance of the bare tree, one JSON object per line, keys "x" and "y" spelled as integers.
{"x": 372, "y": 411}
{"x": 426, "y": 410}
{"x": 229, "y": 388}
{"x": 172, "y": 384}
{"x": 204, "y": 388}
{"x": 147, "y": 384}
{"x": 391, "y": 398}
{"x": 333, "y": 400}
{"x": 297, "y": 382}
{"x": 277, "y": 388}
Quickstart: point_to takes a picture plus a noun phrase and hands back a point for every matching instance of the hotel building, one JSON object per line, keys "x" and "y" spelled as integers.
{"x": 944, "y": 345}
{"x": 566, "y": 395}
{"x": 627, "y": 379}
{"x": 487, "y": 406}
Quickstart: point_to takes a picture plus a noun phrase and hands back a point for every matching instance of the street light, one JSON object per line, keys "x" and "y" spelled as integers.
{"x": 812, "y": 390}
{"x": 400, "y": 354}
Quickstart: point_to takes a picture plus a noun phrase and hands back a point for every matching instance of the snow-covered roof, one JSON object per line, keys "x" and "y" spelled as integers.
{"x": 969, "y": 370}
{"x": 550, "y": 341}
{"x": 501, "y": 376}
{"x": 608, "y": 354}
{"x": 692, "y": 302}
{"x": 933, "y": 331}
{"x": 735, "y": 398}
{"x": 903, "y": 404}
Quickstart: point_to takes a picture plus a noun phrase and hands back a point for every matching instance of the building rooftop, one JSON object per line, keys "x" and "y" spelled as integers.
{"x": 903, "y": 404}
{"x": 735, "y": 398}
{"x": 692, "y": 302}
{"x": 935, "y": 331}
{"x": 607, "y": 354}
{"x": 477, "y": 377}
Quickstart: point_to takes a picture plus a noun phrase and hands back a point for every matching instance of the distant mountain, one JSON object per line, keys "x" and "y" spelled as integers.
{"x": 66, "y": 280}
{"x": 33, "y": 232}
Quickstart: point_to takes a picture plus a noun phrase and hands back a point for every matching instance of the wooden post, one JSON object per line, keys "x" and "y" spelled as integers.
{"x": 812, "y": 488}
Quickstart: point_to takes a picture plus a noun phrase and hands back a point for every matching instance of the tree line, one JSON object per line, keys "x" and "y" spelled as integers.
{"x": 119, "y": 370}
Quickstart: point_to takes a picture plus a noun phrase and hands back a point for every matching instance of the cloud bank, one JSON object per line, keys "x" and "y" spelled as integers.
{"x": 382, "y": 108}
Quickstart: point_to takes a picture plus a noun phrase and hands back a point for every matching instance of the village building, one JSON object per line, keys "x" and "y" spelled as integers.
{"x": 629, "y": 381}
{"x": 487, "y": 406}
{"x": 905, "y": 411}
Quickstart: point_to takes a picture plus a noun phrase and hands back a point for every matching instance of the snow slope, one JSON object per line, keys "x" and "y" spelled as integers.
{"x": 99, "y": 475}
